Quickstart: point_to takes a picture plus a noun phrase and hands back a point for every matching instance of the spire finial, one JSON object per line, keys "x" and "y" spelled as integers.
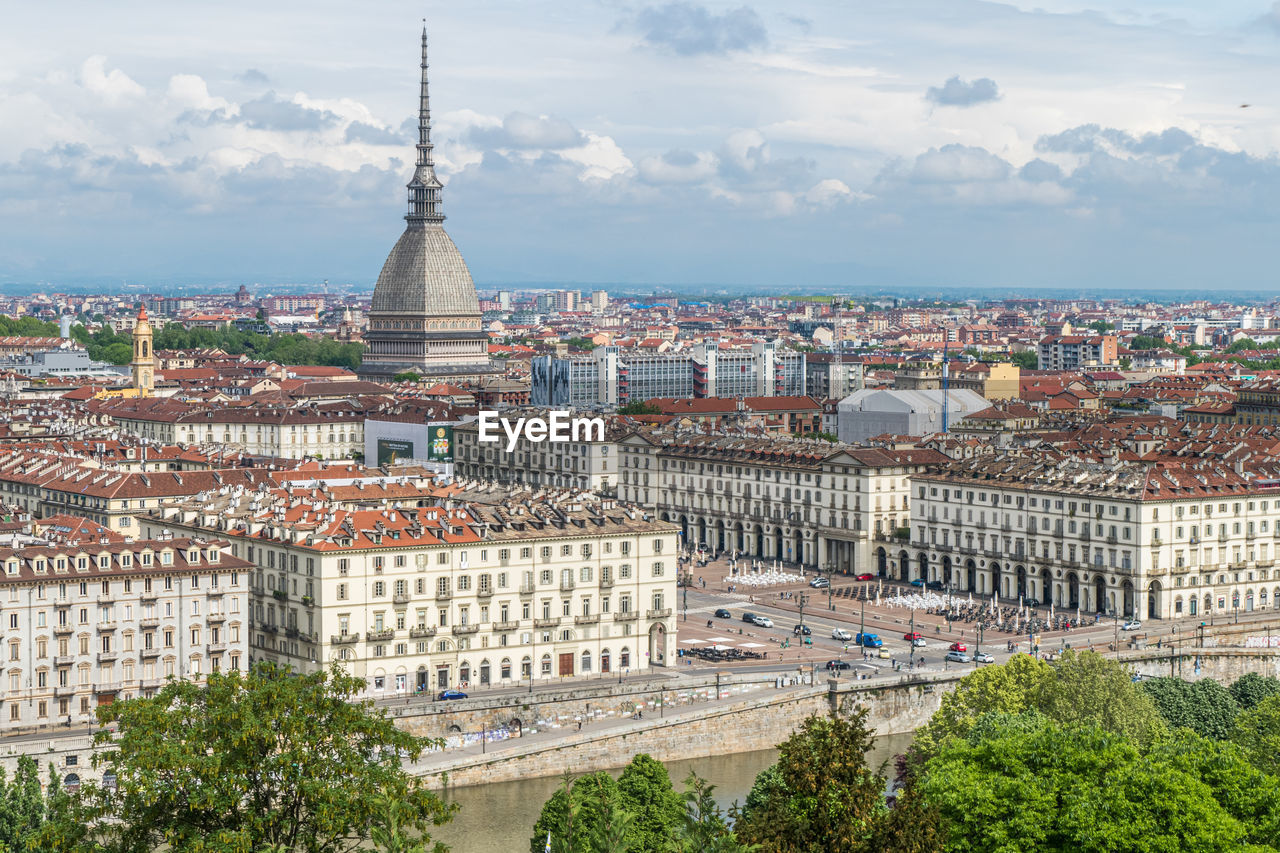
{"x": 424, "y": 189}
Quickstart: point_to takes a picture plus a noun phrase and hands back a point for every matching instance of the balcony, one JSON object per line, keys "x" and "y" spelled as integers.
{"x": 626, "y": 616}
{"x": 376, "y": 636}
{"x": 526, "y": 589}
{"x": 106, "y": 598}
{"x": 484, "y": 592}
{"x": 107, "y": 657}
{"x": 64, "y": 660}
{"x": 400, "y": 600}
{"x": 279, "y": 595}
{"x": 65, "y": 690}
{"x": 216, "y": 617}
{"x": 106, "y": 627}
{"x": 443, "y": 594}
{"x": 150, "y": 653}
{"x": 606, "y": 582}
{"x": 62, "y": 630}
{"x": 149, "y": 622}
{"x": 268, "y": 629}
{"x": 658, "y": 614}
{"x": 152, "y": 683}
{"x": 217, "y": 648}
{"x": 549, "y": 622}
{"x": 509, "y": 625}
{"x": 1113, "y": 540}
{"x": 566, "y": 584}
{"x": 465, "y": 629}
{"x": 344, "y": 639}
{"x": 586, "y": 620}
{"x": 421, "y": 633}
{"x": 147, "y": 596}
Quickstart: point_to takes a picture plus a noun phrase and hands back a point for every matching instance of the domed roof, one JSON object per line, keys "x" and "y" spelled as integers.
{"x": 425, "y": 274}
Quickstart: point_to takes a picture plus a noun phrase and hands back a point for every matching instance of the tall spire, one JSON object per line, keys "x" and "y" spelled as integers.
{"x": 424, "y": 190}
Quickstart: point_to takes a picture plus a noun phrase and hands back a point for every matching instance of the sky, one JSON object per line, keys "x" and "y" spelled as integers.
{"x": 775, "y": 145}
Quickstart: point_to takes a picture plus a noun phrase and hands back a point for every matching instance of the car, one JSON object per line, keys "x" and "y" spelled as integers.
{"x": 983, "y": 657}
{"x": 820, "y": 583}
{"x": 801, "y": 629}
{"x": 865, "y": 577}
{"x": 870, "y": 641}
{"x": 920, "y": 641}
{"x": 1131, "y": 625}
{"x": 958, "y": 647}
{"x": 883, "y": 653}
{"x": 958, "y": 657}
{"x": 838, "y": 664}
{"x": 917, "y": 582}
{"x": 452, "y": 694}
{"x": 723, "y": 614}
{"x": 762, "y": 622}
{"x": 912, "y": 635}
{"x": 841, "y": 634}
{"x": 934, "y": 585}
{"x": 1031, "y": 602}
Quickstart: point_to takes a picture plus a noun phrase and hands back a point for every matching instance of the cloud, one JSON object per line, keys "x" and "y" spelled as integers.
{"x": 359, "y": 131}
{"x": 113, "y": 86}
{"x": 253, "y": 77}
{"x": 828, "y": 193}
{"x": 957, "y": 93}
{"x": 190, "y": 91}
{"x": 678, "y": 166}
{"x": 1092, "y": 138}
{"x": 1038, "y": 171}
{"x": 521, "y": 130}
{"x": 958, "y": 164}
{"x": 269, "y": 112}
{"x": 691, "y": 30}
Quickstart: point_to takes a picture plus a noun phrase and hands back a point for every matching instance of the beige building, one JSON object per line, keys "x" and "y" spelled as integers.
{"x": 88, "y": 624}
{"x": 463, "y": 594}
{"x": 1182, "y": 537}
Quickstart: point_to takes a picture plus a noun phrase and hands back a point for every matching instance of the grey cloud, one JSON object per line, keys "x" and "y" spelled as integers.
{"x": 1039, "y": 171}
{"x": 269, "y": 112}
{"x": 1090, "y": 138}
{"x": 957, "y": 93}
{"x": 369, "y": 134}
{"x": 253, "y": 77}
{"x": 690, "y": 30}
{"x": 680, "y": 157}
{"x": 520, "y": 130}
{"x": 1271, "y": 18}
{"x": 958, "y": 164}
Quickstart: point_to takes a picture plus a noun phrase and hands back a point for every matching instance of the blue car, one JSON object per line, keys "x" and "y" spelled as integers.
{"x": 452, "y": 694}
{"x": 917, "y": 582}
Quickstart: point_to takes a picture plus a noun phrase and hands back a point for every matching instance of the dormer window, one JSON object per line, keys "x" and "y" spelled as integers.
{"x": 166, "y": 558}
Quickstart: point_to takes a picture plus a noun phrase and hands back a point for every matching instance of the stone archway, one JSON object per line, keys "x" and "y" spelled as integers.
{"x": 1126, "y": 604}
{"x": 922, "y": 566}
{"x": 904, "y": 566}
{"x": 1154, "y": 602}
{"x": 658, "y": 645}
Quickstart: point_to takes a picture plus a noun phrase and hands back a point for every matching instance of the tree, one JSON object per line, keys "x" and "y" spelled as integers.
{"x": 24, "y": 807}
{"x": 1257, "y": 733}
{"x": 1025, "y": 782}
{"x": 910, "y": 826}
{"x": 822, "y": 796}
{"x": 1146, "y": 342}
{"x": 1204, "y": 706}
{"x": 117, "y": 353}
{"x": 646, "y": 791}
{"x": 248, "y": 761}
{"x": 579, "y": 813}
{"x": 705, "y": 829}
{"x": 1101, "y": 326}
{"x": 407, "y": 376}
{"x": 1251, "y": 688}
{"x": 1027, "y": 359}
{"x": 640, "y": 407}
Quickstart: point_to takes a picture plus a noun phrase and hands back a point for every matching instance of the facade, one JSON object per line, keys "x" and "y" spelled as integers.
{"x": 143, "y": 366}
{"x": 830, "y": 375}
{"x": 805, "y": 502}
{"x": 425, "y": 316}
{"x": 88, "y": 624}
{"x": 871, "y": 412}
{"x": 581, "y": 465}
{"x": 610, "y": 376}
{"x": 1177, "y": 538}
{"x": 451, "y": 595}
{"x": 1073, "y": 352}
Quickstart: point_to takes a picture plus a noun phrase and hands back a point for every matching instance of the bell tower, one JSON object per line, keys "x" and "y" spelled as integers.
{"x": 144, "y": 360}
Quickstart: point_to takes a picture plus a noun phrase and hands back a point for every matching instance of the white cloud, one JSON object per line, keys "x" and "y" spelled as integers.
{"x": 113, "y": 86}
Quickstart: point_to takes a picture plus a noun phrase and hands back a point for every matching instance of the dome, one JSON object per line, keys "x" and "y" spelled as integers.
{"x": 425, "y": 275}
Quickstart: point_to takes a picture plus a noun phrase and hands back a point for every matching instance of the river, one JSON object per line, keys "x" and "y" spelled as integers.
{"x": 499, "y": 818}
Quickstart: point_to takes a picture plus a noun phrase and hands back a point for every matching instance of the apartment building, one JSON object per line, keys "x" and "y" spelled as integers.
{"x": 87, "y": 624}
{"x": 588, "y": 465}
{"x": 1073, "y": 352}
{"x": 1177, "y": 537}
{"x": 809, "y": 502}
{"x": 464, "y": 593}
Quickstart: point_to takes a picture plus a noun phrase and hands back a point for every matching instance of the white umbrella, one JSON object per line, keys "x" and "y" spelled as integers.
{"x": 719, "y": 648}
{"x": 691, "y": 642}
{"x": 720, "y": 640}
{"x": 752, "y": 645}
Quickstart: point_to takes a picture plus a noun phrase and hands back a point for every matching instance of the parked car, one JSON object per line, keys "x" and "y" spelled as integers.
{"x": 452, "y": 694}
{"x": 801, "y": 629}
{"x": 918, "y": 582}
{"x": 763, "y": 622}
{"x": 723, "y": 614}
{"x": 865, "y": 577}
{"x": 983, "y": 657}
{"x": 958, "y": 647}
{"x": 920, "y": 641}
{"x": 958, "y": 657}
{"x": 913, "y": 635}
{"x": 841, "y": 634}
{"x": 934, "y": 584}
{"x": 820, "y": 583}
{"x": 1131, "y": 625}
{"x": 837, "y": 664}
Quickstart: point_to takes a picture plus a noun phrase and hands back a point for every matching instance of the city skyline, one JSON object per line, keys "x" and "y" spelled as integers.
{"x": 890, "y": 146}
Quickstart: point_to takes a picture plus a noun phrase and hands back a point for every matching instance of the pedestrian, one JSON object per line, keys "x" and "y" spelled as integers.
{"x": 579, "y": 725}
